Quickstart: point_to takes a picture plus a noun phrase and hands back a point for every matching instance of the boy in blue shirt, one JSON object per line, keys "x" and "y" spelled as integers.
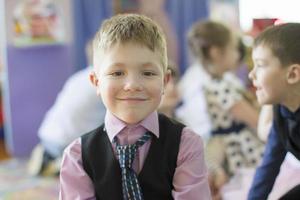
{"x": 276, "y": 77}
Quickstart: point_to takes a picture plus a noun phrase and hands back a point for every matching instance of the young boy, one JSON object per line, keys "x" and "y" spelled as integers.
{"x": 276, "y": 76}
{"x": 130, "y": 75}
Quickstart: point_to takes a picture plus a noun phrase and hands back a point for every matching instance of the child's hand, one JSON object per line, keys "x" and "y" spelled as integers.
{"x": 220, "y": 178}
{"x": 216, "y": 181}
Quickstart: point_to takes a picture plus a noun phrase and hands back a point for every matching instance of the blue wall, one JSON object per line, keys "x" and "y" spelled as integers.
{"x": 35, "y": 76}
{"x": 88, "y": 15}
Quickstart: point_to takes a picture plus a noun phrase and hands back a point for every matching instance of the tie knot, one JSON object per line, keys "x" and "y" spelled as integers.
{"x": 126, "y": 153}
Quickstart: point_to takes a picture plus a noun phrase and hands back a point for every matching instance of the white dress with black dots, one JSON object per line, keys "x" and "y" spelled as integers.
{"x": 241, "y": 146}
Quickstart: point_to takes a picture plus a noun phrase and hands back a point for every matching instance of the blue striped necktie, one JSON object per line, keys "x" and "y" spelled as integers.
{"x": 126, "y": 155}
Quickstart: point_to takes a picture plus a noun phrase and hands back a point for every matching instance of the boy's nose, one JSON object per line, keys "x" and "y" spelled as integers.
{"x": 132, "y": 84}
{"x": 251, "y": 74}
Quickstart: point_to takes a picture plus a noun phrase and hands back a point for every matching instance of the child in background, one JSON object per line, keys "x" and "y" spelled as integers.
{"x": 130, "y": 74}
{"x": 72, "y": 114}
{"x": 276, "y": 76}
{"x": 233, "y": 143}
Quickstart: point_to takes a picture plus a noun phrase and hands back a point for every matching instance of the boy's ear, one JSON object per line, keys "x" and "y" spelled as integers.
{"x": 95, "y": 81}
{"x": 93, "y": 78}
{"x": 167, "y": 77}
{"x": 293, "y": 74}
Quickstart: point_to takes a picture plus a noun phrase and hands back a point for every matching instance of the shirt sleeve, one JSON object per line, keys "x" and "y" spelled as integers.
{"x": 267, "y": 172}
{"x": 190, "y": 178}
{"x": 74, "y": 182}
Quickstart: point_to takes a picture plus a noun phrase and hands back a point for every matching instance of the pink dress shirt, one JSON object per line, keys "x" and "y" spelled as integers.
{"x": 190, "y": 178}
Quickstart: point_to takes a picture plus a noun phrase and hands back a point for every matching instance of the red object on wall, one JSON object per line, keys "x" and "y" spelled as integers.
{"x": 258, "y": 25}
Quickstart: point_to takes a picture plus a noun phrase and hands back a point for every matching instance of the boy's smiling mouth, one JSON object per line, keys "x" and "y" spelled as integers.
{"x": 132, "y": 99}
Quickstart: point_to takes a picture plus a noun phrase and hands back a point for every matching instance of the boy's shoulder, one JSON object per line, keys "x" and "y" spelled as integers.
{"x": 166, "y": 123}
{"x": 173, "y": 127}
{"x": 93, "y": 133}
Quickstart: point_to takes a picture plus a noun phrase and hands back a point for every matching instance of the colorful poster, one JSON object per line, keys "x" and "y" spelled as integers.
{"x": 37, "y": 22}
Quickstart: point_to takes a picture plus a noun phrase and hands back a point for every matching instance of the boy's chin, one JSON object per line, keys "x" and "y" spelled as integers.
{"x": 131, "y": 120}
{"x": 264, "y": 101}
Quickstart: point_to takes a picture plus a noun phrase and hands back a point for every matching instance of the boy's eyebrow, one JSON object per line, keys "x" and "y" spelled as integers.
{"x": 120, "y": 64}
{"x": 117, "y": 64}
{"x": 149, "y": 64}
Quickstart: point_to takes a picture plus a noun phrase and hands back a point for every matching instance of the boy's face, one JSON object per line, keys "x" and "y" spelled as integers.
{"x": 130, "y": 80}
{"x": 268, "y": 76}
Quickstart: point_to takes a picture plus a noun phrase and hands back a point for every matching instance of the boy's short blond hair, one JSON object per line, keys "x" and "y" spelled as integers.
{"x": 134, "y": 28}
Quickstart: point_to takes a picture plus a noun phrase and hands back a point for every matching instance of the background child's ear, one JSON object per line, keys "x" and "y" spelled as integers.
{"x": 293, "y": 74}
{"x": 93, "y": 78}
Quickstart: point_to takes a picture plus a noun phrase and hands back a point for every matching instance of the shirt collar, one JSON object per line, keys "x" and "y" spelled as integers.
{"x": 114, "y": 125}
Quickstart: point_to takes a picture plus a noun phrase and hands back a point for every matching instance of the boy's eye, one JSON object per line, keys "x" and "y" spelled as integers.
{"x": 149, "y": 73}
{"x": 117, "y": 73}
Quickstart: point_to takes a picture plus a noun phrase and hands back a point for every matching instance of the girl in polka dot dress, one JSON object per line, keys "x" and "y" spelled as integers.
{"x": 233, "y": 142}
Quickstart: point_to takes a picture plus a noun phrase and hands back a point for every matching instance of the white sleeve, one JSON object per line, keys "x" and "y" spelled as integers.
{"x": 76, "y": 111}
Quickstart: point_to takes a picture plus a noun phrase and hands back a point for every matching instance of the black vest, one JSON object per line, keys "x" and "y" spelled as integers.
{"x": 281, "y": 126}
{"x": 156, "y": 176}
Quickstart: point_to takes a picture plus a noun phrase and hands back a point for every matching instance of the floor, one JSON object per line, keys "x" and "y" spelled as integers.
{"x": 16, "y": 183}
{"x": 3, "y": 153}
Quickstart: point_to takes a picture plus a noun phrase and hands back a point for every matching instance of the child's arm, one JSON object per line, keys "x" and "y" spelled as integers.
{"x": 74, "y": 182}
{"x": 243, "y": 111}
{"x": 215, "y": 157}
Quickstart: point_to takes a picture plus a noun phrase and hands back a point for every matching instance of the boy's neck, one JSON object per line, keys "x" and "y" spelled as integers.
{"x": 293, "y": 100}
{"x": 293, "y": 107}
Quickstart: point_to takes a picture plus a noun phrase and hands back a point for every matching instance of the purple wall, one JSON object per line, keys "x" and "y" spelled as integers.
{"x": 35, "y": 76}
